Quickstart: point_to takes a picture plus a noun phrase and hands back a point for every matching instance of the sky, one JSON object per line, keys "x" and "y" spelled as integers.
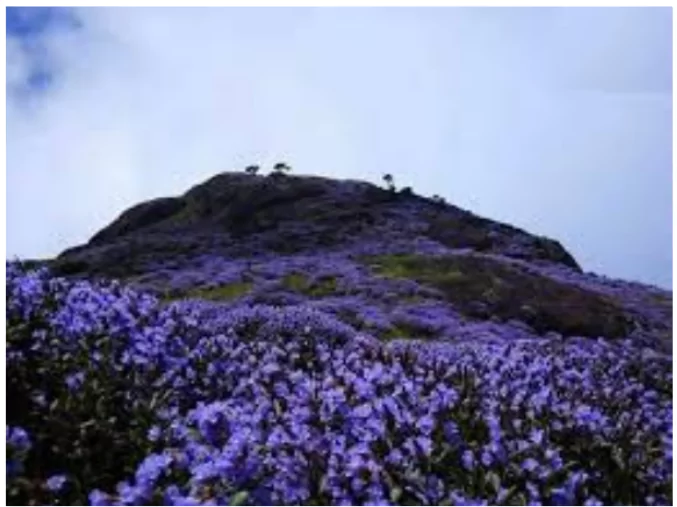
{"x": 555, "y": 120}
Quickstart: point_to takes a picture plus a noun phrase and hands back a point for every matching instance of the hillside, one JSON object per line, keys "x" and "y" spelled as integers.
{"x": 406, "y": 351}
{"x": 298, "y": 239}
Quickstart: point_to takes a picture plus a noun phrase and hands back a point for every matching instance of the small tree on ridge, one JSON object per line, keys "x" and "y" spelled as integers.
{"x": 388, "y": 178}
{"x": 252, "y": 169}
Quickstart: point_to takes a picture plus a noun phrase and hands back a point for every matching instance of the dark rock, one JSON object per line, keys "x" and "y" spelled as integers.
{"x": 70, "y": 267}
{"x": 139, "y": 217}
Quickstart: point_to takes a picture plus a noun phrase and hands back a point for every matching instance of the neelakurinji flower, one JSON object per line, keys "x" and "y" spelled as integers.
{"x": 292, "y": 405}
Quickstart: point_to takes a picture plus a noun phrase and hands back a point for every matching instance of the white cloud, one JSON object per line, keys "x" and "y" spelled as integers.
{"x": 504, "y": 111}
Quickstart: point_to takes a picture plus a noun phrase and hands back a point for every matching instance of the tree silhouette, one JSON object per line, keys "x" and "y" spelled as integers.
{"x": 281, "y": 168}
{"x": 252, "y": 169}
{"x": 388, "y": 178}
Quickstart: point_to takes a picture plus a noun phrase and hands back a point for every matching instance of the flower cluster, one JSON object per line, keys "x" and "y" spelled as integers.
{"x": 114, "y": 398}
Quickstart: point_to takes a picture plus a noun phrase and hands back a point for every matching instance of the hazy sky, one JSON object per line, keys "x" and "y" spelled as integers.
{"x": 557, "y": 120}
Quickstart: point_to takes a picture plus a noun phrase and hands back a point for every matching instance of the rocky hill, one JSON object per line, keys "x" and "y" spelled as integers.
{"x": 350, "y": 239}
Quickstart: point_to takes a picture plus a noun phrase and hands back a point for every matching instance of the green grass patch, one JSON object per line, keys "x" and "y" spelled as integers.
{"x": 394, "y": 333}
{"x": 413, "y": 267}
{"x": 298, "y": 282}
{"x": 221, "y": 293}
{"x": 403, "y": 331}
{"x": 481, "y": 287}
{"x": 323, "y": 287}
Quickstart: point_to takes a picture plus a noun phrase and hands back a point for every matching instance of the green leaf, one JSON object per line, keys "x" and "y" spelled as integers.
{"x": 519, "y": 499}
{"x": 494, "y": 480}
{"x": 323, "y": 482}
{"x": 395, "y": 494}
{"x": 617, "y": 456}
{"x": 87, "y": 424}
{"x": 239, "y": 498}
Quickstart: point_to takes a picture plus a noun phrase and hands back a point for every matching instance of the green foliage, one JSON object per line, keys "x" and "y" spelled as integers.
{"x": 405, "y": 330}
{"x": 295, "y": 281}
{"x": 402, "y": 331}
{"x": 298, "y": 282}
{"x": 481, "y": 287}
{"x": 407, "y": 266}
{"x": 394, "y": 333}
{"x": 239, "y": 498}
{"x": 220, "y": 293}
{"x": 105, "y": 422}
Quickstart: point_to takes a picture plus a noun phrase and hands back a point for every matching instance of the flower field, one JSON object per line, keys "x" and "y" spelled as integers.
{"x": 281, "y": 395}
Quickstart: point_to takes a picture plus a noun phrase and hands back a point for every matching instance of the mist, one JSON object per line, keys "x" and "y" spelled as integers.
{"x": 556, "y": 120}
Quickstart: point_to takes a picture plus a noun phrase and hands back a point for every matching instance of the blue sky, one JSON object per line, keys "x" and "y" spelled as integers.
{"x": 557, "y": 120}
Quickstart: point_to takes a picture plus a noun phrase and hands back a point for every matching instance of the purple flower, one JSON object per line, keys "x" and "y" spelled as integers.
{"x": 154, "y": 433}
{"x": 537, "y": 436}
{"x": 426, "y": 424}
{"x": 205, "y": 471}
{"x": 151, "y": 468}
{"x": 363, "y": 411}
{"x": 468, "y": 460}
{"x": 56, "y": 482}
{"x": 458, "y": 498}
{"x": 18, "y": 438}
{"x": 486, "y": 458}
{"x": 74, "y": 381}
{"x": 529, "y": 464}
{"x": 561, "y": 496}
{"x": 534, "y": 494}
{"x": 173, "y": 496}
{"x": 98, "y": 497}
{"x": 451, "y": 433}
{"x": 132, "y": 495}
